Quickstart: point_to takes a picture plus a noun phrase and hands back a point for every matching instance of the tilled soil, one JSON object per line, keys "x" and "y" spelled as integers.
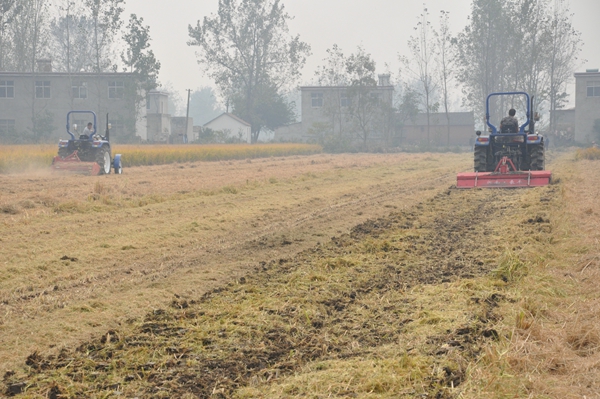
{"x": 349, "y": 298}
{"x": 85, "y": 254}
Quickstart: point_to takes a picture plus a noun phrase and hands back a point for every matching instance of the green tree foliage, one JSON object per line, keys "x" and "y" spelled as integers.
{"x": 137, "y": 57}
{"x": 248, "y": 51}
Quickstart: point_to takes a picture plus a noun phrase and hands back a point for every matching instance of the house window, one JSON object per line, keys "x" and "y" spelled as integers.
{"x": 79, "y": 89}
{"x": 116, "y": 89}
{"x": 344, "y": 100}
{"x": 316, "y": 100}
{"x": 7, "y": 88}
{"x": 593, "y": 89}
{"x": 42, "y": 89}
{"x": 7, "y": 127}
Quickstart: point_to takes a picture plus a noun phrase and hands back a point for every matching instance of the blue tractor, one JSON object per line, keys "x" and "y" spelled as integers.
{"x": 87, "y": 151}
{"x": 519, "y": 144}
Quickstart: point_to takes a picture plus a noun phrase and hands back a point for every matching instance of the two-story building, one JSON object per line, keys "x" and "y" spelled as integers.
{"x": 33, "y": 106}
{"x": 335, "y": 109}
{"x": 587, "y": 104}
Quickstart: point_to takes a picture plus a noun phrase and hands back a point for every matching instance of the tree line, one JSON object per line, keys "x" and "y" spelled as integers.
{"x": 508, "y": 45}
{"x": 79, "y": 36}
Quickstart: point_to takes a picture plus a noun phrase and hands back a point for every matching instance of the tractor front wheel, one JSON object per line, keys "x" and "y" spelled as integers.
{"x": 536, "y": 157}
{"x": 103, "y": 159}
{"x": 480, "y": 159}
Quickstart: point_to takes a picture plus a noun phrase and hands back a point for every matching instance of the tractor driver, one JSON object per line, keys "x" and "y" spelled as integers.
{"x": 88, "y": 131}
{"x": 509, "y": 124}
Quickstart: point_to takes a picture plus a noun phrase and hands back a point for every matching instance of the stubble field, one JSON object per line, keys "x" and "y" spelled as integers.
{"x": 357, "y": 275}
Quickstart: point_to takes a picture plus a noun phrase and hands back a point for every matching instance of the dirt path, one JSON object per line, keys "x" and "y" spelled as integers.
{"x": 82, "y": 255}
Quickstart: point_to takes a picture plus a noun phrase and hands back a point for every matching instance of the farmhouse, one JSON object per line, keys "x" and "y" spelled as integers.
{"x": 33, "y": 106}
{"x": 231, "y": 126}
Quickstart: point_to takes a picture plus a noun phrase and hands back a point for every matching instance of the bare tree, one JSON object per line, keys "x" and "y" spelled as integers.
{"x": 445, "y": 64}
{"x": 8, "y": 9}
{"x": 565, "y": 46}
{"x": 106, "y": 23}
{"x": 422, "y": 49}
{"x": 334, "y": 74}
{"x": 482, "y": 53}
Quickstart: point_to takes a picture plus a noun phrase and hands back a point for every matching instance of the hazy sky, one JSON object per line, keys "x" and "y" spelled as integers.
{"x": 382, "y": 27}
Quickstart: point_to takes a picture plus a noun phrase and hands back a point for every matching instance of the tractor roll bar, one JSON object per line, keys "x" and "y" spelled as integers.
{"x": 487, "y": 109}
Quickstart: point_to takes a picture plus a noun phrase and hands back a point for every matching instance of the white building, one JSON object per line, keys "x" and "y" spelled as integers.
{"x": 231, "y": 126}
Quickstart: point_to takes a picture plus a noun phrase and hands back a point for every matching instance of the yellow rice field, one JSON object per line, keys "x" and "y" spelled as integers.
{"x": 591, "y": 153}
{"x": 17, "y": 158}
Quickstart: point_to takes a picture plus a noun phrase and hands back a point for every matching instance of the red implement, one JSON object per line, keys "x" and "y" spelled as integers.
{"x": 72, "y": 164}
{"x": 503, "y": 177}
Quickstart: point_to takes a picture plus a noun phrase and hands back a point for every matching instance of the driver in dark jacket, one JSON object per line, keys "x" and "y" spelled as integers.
{"x": 509, "y": 124}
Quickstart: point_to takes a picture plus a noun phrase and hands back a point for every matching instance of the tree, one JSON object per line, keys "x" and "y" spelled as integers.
{"x": 334, "y": 73}
{"x": 445, "y": 64}
{"x": 521, "y": 45}
{"x": 565, "y": 45}
{"x": 421, "y": 64}
{"x": 365, "y": 107}
{"x": 72, "y": 44}
{"x": 407, "y": 107}
{"x": 137, "y": 57}
{"x": 8, "y": 9}
{"x": 204, "y": 106}
{"x": 483, "y": 52}
{"x": 270, "y": 110}
{"x": 28, "y": 35}
{"x": 106, "y": 23}
{"x": 246, "y": 48}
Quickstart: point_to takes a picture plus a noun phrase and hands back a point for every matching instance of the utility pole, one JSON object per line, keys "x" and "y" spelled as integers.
{"x": 187, "y": 117}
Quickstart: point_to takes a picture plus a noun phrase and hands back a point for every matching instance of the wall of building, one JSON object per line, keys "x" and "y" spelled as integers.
{"x": 179, "y": 134}
{"x": 159, "y": 127}
{"x": 438, "y": 135}
{"x": 587, "y": 108}
{"x": 231, "y": 127}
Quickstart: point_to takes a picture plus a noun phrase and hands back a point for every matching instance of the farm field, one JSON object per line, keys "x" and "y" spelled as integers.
{"x": 356, "y": 275}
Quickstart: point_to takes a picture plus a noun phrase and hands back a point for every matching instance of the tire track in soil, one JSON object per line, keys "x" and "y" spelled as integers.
{"x": 230, "y": 248}
{"x": 430, "y": 243}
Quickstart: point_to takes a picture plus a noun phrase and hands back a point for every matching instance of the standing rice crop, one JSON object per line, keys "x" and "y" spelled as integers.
{"x": 19, "y": 158}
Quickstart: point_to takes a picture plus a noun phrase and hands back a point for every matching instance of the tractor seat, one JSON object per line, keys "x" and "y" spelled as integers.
{"x": 509, "y": 129}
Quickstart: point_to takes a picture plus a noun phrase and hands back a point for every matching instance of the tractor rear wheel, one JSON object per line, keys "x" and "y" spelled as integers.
{"x": 103, "y": 159}
{"x": 480, "y": 159}
{"x": 536, "y": 157}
